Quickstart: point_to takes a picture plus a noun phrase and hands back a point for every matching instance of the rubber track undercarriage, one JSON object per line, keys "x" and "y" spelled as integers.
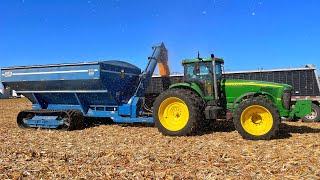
{"x": 51, "y": 119}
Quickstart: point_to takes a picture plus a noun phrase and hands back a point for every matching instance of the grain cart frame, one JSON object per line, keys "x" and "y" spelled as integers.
{"x": 62, "y": 95}
{"x": 257, "y": 106}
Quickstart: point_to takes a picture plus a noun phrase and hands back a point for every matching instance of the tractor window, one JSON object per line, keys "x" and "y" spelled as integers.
{"x": 198, "y": 70}
{"x": 190, "y": 71}
{"x": 204, "y": 70}
{"x": 218, "y": 69}
{"x": 200, "y": 73}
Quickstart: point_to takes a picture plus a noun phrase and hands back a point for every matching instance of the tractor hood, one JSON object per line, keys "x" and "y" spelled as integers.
{"x": 236, "y": 89}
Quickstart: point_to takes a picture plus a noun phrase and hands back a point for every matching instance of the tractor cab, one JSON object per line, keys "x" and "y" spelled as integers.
{"x": 206, "y": 73}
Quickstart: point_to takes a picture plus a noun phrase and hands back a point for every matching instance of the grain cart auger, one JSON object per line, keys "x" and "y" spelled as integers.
{"x": 203, "y": 96}
{"x": 62, "y": 95}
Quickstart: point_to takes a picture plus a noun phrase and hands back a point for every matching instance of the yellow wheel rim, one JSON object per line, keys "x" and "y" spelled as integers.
{"x": 256, "y": 120}
{"x": 173, "y": 114}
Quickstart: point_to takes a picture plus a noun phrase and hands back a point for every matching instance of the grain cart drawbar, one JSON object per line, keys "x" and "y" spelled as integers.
{"x": 63, "y": 95}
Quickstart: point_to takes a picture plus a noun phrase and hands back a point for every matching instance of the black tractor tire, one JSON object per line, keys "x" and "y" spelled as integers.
{"x": 195, "y": 107}
{"x": 314, "y": 116}
{"x": 265, "y": 103}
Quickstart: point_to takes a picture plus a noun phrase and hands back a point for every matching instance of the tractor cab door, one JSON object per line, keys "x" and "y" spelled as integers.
{"x": 201, "y": 74}
{"x": 217, "y": 78}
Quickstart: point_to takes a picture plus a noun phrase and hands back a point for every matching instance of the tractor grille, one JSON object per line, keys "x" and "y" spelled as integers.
{"x": 286, "y": 99}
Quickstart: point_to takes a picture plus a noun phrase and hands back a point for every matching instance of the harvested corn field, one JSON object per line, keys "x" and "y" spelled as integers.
{"x": 135, "y": 152}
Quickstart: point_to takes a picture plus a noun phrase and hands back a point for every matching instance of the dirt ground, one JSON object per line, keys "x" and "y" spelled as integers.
{"x": 135, "y": 152}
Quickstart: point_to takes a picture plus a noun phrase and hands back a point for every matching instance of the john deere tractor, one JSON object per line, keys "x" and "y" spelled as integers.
{"x": 257, "y": 107}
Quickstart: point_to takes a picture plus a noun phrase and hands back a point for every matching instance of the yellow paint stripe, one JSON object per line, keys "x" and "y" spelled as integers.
{"x": 252, "y": 84}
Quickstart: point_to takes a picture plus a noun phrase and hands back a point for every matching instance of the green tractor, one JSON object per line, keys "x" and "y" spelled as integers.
{"x": 257, "y": 107}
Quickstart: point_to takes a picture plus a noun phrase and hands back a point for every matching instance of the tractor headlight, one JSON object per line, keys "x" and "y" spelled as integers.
{"x": 286, "y": 99}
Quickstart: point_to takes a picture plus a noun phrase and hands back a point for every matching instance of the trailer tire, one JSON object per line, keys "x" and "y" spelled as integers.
{"x": 74, "y": 120}
{"x": 24, "y": 115}
{"x": 178, "y": 112}
{"x": 257, "y": 119}
{"x": 314, "y": 116}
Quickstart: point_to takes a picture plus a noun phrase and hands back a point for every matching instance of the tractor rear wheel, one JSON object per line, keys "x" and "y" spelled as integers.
{"x": 257, "y": 119}
{"x": 178, "y": 112}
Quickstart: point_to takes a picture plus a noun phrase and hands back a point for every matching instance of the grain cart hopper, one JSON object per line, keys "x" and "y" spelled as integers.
{"x": 62, "y": 95}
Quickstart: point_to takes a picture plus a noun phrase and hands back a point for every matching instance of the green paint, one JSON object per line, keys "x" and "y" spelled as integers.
{"x": 192, "y": 86}
{"x": 301, "y": 108}
{"x": 236, "y": 90}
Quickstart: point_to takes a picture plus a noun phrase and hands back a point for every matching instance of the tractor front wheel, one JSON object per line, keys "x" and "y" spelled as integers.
{"x": 178, "y": 112}
{"x": 314, "y": 116}
{"x": 257, "y": 119}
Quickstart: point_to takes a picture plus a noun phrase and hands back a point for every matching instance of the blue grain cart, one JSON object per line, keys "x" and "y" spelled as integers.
{"x": 63, "y": 94}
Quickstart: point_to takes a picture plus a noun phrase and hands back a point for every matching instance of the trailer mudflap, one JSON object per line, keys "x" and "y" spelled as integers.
{"x": 301, "y": 108}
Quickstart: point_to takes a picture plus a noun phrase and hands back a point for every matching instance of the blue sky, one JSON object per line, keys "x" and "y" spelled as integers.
{"x": 248, "y": 34}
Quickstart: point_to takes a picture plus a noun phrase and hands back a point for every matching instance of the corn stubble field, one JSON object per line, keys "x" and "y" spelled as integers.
{"x": 135, "y": 152}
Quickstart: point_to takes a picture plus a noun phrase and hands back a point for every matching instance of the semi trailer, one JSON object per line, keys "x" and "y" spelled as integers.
{"x": 63, "y": 95}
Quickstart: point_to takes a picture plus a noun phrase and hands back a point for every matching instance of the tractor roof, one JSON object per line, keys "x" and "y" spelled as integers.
{"x": 188, "y": 61}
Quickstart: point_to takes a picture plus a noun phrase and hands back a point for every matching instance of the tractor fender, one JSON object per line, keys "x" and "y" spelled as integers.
{"x": 240, "y": 98}
{"x": 192, "y": 86}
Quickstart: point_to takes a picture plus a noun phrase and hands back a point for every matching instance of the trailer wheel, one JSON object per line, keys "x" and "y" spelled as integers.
{"x": 24, "y": 115}
{"x": 314, "y": 116}
{"x": 178, "y": 112}
{"x": 257, "y": 119}
{"x": 73, "y": 120}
